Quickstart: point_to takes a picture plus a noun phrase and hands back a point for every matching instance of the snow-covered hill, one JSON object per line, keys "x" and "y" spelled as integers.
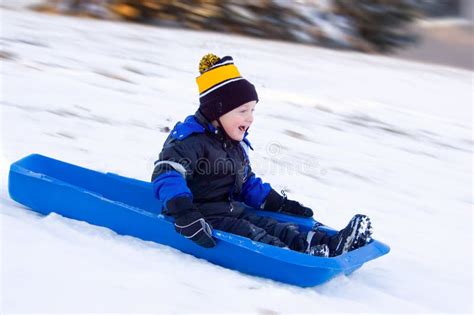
{"x": 342, "y": 132}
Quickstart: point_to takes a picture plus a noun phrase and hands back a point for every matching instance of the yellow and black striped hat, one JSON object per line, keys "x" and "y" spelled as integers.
{"x": 221, "y": 87}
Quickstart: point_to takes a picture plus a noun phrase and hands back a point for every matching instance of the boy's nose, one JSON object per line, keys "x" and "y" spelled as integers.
{"x": 250, "y": 118}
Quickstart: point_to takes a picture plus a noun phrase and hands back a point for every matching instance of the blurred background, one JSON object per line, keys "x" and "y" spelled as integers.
{"x": 436, "y": 31}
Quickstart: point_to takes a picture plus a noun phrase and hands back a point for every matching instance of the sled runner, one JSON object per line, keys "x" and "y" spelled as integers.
{"x": 128, "y": 207}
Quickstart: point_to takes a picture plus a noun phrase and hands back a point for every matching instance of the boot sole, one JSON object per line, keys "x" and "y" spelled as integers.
{"x": 364, "y": 234}
{"x": 361, "y": 232}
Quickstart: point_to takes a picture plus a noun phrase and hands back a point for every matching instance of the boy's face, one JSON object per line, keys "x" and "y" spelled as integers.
{"x": 237, "y": 121}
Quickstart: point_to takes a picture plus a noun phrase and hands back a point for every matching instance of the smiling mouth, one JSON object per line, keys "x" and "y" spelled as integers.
{"x": 242, "y": 128}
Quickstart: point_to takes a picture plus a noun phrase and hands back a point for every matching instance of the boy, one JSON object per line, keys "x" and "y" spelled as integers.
{"x": 204, "y": 179}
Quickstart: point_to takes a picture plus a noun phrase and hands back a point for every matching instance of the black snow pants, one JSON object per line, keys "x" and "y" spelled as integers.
{"x": 262, "y": 229}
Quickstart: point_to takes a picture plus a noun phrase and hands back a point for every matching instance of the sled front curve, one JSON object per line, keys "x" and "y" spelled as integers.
{"x": 128, "y": 207}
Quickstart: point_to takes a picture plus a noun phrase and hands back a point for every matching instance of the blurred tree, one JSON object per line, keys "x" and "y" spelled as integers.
{"x": 136, "y": 10}
{"x": 262, "y": 18}
{"x": 366, "y": 25}
{"x": 382, "y": 23}
{"x": 441, "y": 8}
{"x": 90, "y": 8}
{"x": 376, "y": 25}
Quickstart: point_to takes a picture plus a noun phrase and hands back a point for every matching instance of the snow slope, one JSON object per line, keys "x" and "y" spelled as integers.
{"x": 342, "y": 132}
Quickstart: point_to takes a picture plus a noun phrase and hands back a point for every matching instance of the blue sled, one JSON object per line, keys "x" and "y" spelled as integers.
{"x": 128, "y": 207}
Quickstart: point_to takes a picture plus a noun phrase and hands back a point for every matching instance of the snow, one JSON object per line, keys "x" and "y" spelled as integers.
{"x": 345, "y": 133}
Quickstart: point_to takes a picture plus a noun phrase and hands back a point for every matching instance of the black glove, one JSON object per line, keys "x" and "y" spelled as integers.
{"x": 296, "y": 208}
{"x": 277, "y": 203}
{"x": 193, "y": 226}
{"x": 189, "y": 222}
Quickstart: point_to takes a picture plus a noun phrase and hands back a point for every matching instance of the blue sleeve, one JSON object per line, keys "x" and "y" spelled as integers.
{"x": 170, "y": 185}
{"x": 254, "y": 191}
{"x": 173, "y": 168}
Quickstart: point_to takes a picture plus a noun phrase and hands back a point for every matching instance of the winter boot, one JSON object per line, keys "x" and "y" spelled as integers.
{"x": 314, "y": 245}
{"x": 356, "y": 234}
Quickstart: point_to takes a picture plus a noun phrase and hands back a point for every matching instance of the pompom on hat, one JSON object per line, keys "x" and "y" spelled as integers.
{"x": 221, "y": 87}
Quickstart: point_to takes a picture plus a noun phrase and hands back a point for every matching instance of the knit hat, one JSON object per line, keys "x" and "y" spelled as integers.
{"x": 221, "y": 88}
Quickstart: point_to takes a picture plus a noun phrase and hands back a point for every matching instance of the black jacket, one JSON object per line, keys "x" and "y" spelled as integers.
{"x": 215, "y": 169}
